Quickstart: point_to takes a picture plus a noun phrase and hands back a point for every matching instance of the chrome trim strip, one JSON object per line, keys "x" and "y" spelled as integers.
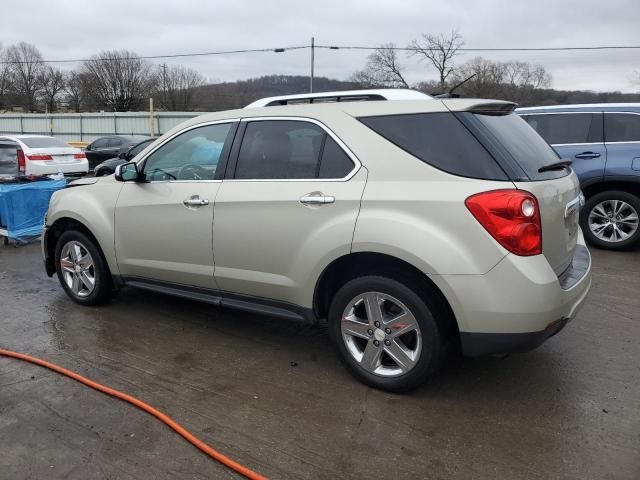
{"x": 571, "y": 205}
{"x": 572, "y": 144}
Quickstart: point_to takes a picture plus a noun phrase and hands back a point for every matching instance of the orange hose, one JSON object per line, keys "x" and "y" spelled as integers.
{"x": 147, "y": 408}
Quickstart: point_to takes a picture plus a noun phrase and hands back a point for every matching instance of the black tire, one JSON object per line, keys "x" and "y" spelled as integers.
{"x": 597, "y": 199}
{"x": 103, "y": 287}
{"x": 431, "y": 352}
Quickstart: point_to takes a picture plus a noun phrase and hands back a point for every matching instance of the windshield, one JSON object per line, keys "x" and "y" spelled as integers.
{"x": 524, "y": 145}
{"x": 44, "y": 142}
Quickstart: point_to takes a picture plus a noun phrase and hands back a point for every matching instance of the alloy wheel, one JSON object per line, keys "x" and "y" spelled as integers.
{"x": 78, "y": 270}
{"x": 613, "y": 220}
{"x": 381, "y": 334}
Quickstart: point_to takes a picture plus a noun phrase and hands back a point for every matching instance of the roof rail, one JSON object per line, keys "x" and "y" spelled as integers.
{"x": 342, "y": 96}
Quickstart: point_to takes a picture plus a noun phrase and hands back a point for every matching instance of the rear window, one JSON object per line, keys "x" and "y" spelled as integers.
{"x": 440, "y": 140}
{"x": 523, "y": 145}
{"x": 8, "y": 158}
{"x": 44, "y": 142}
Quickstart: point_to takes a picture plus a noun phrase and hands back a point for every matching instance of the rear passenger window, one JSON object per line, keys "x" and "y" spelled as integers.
{"x": 622, "y": 127}
{"x": 335, "y": 162}
{"x": 289, "y": 149}
{"x": 114, "y": 142}
{"x": 568, "y": 127}
{"x": 440, "y": 140}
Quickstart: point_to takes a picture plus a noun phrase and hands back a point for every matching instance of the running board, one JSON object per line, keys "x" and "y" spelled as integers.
{"x": 224, "y": 299}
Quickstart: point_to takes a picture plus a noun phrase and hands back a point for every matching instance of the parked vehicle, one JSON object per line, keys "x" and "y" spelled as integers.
{"x": 603, "y": 143}
{"x": 412, "y": 226}
{"x": 40, "y": 155}
{"x": 104, "y": 148}
{"x": 125, "y": 155}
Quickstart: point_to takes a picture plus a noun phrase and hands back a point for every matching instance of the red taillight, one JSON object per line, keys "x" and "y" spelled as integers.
{"x": 21, "y": 161}
{"x": 34, "y": 156}
{"x": 79, "y": 156}
{"x": 512, "y": 217}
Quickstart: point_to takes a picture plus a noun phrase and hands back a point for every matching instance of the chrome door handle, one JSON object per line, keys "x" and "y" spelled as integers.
{"x": 195, "y": 201}
{"x": 587, "y": 155}
{"x": 317, "y": 198}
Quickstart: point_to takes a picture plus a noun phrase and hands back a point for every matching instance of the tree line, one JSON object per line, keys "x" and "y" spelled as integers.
{"x": 520, "y": 82}
{"x": 117, "y": 81}
{"x": 122, "y": 81}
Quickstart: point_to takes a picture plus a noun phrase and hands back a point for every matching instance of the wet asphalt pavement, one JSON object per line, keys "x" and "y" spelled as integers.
{"x": 272, "y": 394}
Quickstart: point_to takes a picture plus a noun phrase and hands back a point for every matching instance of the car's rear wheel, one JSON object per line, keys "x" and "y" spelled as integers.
{"x": 610, "y": 220}
{"x": 385, "y": 333}
{"x": 81, "y": 269}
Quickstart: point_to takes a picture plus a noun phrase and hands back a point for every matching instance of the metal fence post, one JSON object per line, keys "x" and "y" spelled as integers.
{"x": 81, "y": 139}
{"x": 21, "y": 125}
{"x": 115, "y": 124}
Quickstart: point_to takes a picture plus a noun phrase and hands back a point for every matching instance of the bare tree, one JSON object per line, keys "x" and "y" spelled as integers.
{"x": 5, "y": 79}
{"x": 383, "y": 69}
{"x": 439, "y": 50}
{"x": 53, "y": 82}
{"x": 515, "y": 81}
{"x": 119, "y": 80}
{"x": 26, "y": 67}
{"x": 177, "y": 87}
{"x": 76, "y": 90}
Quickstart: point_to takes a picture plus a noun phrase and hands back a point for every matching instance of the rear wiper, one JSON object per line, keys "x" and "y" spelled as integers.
{"x": 555, "y": 166}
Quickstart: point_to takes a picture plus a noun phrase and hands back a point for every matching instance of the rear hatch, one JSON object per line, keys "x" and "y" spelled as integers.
{"x": 8, "y": 158}
{"x": 522, "y": 153}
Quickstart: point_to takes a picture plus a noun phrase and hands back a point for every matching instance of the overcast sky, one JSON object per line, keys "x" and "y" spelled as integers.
{"x": 64, "y": 29}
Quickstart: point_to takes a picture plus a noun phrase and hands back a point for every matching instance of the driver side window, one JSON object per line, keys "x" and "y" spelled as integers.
{"x": 192, "y": 155}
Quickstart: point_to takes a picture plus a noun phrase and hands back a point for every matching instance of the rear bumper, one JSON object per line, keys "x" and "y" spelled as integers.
{"x": 479, "y": 344}
{"x": 76, "y": 168}
{"x": 518, "y": 304}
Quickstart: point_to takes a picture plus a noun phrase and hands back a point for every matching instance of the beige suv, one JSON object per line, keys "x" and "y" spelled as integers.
{"x": 410, "y": 225}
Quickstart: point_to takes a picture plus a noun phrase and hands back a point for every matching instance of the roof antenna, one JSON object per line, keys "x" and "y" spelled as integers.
{"x": 449, "y": 93}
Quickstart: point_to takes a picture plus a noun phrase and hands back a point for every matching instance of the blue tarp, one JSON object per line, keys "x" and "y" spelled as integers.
{"x": 23, "y": 205}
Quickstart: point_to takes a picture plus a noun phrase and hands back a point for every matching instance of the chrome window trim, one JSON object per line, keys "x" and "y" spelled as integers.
{"x": 328, "y": 131}
{"x": 168, "y": 139}
{"x": 561, "y": 113}
{"x": 571, "y": 144}
{"x": 622, "y": 143}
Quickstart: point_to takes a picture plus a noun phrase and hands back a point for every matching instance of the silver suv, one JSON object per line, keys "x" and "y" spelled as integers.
{"x": 410, "y": 225}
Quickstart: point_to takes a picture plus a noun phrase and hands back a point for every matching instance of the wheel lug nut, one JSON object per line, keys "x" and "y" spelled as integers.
{"x": 376, "y": 343}
{"x": 387, "y": 343}
{"x": 370, "y": 332}
{"x": 388, "y": 330}
{"x": 377, "y": 324}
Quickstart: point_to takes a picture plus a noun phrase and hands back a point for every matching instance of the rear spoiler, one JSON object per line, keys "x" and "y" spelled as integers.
{"x": 486, "y": 107}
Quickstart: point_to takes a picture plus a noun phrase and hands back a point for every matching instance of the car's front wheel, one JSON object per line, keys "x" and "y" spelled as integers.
{"x": 610, "y": 220}
{"x": 81, "y": 269}
{"x": 385, "y": 333}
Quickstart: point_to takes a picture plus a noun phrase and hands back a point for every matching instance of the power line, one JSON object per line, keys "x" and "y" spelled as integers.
{"x": 510, "y": 49}
{"x": 326, "y": 47}
{"x": 157, "y": 57}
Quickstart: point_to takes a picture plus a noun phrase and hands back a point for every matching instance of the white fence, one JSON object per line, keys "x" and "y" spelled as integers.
{"x": 86, "y": 127}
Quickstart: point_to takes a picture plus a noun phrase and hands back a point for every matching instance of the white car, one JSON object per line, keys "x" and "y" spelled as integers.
{"x": 43, "y": 155}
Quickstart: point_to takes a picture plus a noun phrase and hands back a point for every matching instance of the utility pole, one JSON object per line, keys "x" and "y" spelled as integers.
{"x": 313, "y": 51}
{"x": 164, "y": 84}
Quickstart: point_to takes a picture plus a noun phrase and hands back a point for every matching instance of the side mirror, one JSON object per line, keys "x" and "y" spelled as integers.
{"x": 127, "y": 172}
{"x": 122, "y": 155}
{"x": 87, "y": 148}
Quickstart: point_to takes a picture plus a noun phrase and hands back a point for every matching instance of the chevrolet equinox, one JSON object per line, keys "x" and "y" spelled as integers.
{"x": 410, "y": 225}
